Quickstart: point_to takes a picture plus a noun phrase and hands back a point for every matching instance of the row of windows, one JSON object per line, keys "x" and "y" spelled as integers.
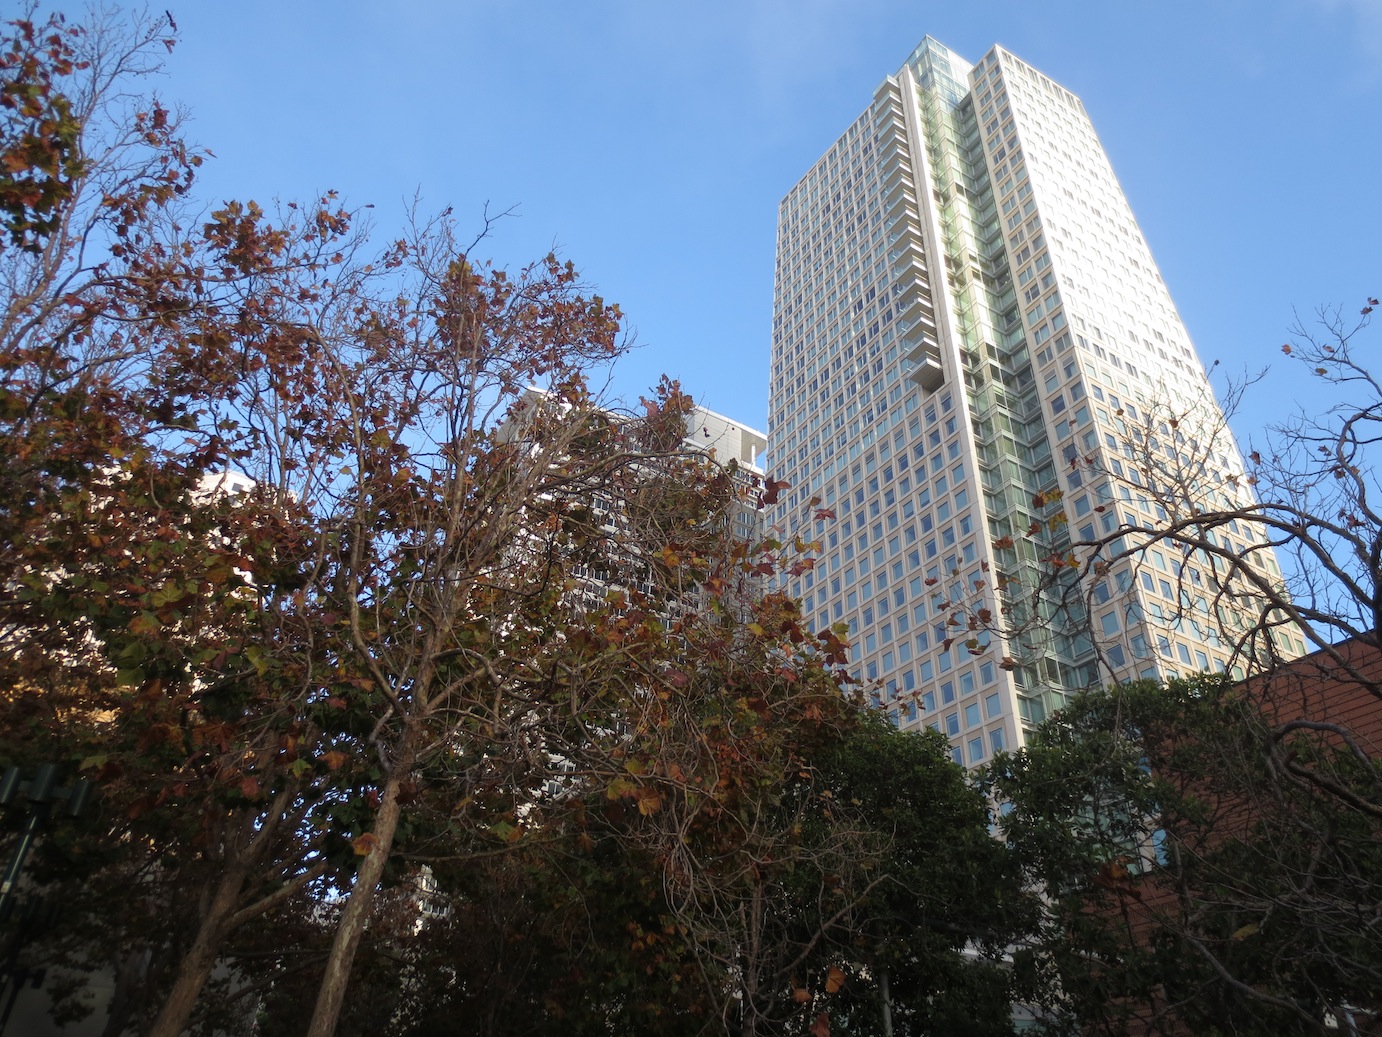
{"x": 882, "y": 495}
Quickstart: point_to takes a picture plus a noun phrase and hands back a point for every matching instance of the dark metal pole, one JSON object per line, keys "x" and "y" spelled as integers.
{"x": 26, "y": 841}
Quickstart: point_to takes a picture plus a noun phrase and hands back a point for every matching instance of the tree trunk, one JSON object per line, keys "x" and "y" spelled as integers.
{"x": 352, "y": 924}
{"x": 197, "y": 964}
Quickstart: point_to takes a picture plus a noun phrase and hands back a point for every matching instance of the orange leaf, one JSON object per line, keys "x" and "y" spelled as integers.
{"x": 834, "y": 980}
{"x": 649, "y": 802}
{"x": 363, "y": 844}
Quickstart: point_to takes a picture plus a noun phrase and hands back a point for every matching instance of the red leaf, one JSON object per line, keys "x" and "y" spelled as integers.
{"x": 771, "y": 490}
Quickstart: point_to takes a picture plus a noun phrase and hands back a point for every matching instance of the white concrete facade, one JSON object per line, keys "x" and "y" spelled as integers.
{"x": 969, "y": 331}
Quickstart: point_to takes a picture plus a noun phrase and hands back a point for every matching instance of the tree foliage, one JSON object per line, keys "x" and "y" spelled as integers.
{"x": 934, "y": 936}
{"x": 584, "y": 928}
{"x": 1188, "y": 884}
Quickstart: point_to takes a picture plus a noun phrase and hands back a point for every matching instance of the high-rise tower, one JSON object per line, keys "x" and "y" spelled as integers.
{"x": 976, "y": 368}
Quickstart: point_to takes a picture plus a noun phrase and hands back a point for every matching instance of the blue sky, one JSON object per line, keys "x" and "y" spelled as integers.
{"x": 650, "y": 142}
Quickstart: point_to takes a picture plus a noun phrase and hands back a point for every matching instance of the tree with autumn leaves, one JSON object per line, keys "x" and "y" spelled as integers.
{"x": 414, "y": 659}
